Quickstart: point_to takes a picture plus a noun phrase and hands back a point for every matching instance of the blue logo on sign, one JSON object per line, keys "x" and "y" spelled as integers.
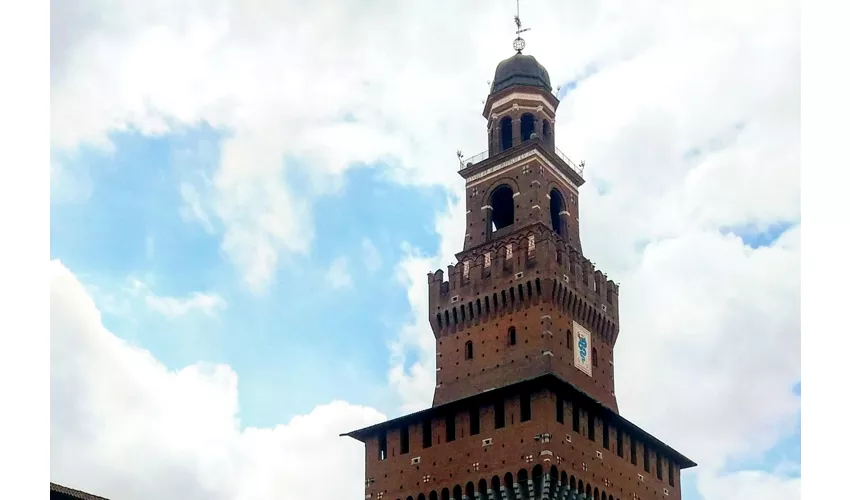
{"x": 582, "y": 348}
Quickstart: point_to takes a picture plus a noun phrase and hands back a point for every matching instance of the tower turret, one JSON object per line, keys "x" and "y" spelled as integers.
{"x": 525, "y": 327}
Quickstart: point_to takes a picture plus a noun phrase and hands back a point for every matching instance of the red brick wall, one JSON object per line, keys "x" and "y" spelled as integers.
{"x": 445, "y": 465}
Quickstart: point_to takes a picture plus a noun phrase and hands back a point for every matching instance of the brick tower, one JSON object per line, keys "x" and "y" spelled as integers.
{"x": 524, "y": 406}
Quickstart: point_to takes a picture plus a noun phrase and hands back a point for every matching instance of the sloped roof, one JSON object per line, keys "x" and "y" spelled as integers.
{"x": 65, "y": 492}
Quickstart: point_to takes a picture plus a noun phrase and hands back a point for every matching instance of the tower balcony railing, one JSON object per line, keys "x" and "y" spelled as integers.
{"x": 470, "y": 162}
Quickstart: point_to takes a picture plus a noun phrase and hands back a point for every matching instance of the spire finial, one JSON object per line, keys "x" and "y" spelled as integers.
{"x": 519, "y": 43}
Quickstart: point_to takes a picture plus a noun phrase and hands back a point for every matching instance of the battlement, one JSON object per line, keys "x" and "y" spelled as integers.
{"x": 517, "y": 258}
{"x": 529, "y": 266}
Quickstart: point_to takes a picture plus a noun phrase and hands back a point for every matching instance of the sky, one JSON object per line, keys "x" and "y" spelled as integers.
{"x": 246, "y": 199}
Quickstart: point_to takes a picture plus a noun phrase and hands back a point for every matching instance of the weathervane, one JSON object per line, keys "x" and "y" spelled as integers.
{"x": 519, "y": 43}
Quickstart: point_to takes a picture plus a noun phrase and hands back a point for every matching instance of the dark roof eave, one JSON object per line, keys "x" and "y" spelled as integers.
{"x": 546, "y": 380}
{"x": 547, "y": 94}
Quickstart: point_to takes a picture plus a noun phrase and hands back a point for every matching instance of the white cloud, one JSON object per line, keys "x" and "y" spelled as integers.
{"x": 371, "y": 255}
{"x": 124, "y": 426}
{"x": 207, "y": 303}
{"x": 337, "y": 274}
{"x": 288, "y": 80}
{"x": 192, "y": 209}
{"x": 284, "y": 81}
{"x": 750, "y": 485}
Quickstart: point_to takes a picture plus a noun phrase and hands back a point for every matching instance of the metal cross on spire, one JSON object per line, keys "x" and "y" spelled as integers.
{"x": 519, "y": 43}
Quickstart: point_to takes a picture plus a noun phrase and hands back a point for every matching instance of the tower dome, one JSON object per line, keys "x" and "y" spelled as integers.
{"x": 520, "y": 69}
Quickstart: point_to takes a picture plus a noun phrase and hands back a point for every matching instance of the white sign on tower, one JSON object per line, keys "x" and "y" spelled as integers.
{"x": 582, "y": 349}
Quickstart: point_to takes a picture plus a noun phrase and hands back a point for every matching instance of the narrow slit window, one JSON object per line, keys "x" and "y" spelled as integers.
{"x": 576, "y": 419}
{"x": 405, "y": 440}
{"x": 605, "y": 438}
{"x": 670, "y": 474}
{"x": 499, "y": 411}
{"x": 426, "y": 433}
{"x": 619, "y": 442}
{"x": 525, "y": 407}
{"x": 559, "y": 409}
{"x": 382, "y": 446}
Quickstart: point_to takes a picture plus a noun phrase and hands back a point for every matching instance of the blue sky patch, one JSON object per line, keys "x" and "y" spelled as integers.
{"x": 756, "y": 237}
{"x": 131, "y": 229}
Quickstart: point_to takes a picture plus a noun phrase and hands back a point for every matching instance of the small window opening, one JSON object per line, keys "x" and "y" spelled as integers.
{"x": 576, "y": 419}
{"x": 450, "y": 428}
{"x": 511, "y": 336}
{"x": 526, "y": 126}
{"x": 595, "y": 358}
{"x": 658, "y": 468}
{"x": 468, "y": 350}
{"x": 633, "y": 451}
{"x": 646, "y": 458}
{"x": 502, "y": 203}
{"x": 426, "y": 433}
{"x": 591, "y": 427}
{"x": 670, "y": 477}
{"x": 525, "y": 407}
{"x": 559, "y": 409}
{"x": 569, "y": 339}
{"x": 506, "y": 133}
{"x": 405, "y": 440}
{"x": 474, "y": 421}
{"x": 382, "y": 446}
{"x": 499, "y": 410}
{"x": 619, "y": 442}
{"x": 556, "y": 206}
{"x": 606, "y": 443}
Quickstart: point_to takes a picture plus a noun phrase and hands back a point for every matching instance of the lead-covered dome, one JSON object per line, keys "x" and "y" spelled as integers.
{"x": 520, "y": 69}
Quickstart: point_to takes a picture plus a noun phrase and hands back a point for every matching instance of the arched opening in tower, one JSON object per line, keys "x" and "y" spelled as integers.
{"x": 506, "y": 133}
{"x": 522, "y": 479}
{"x": 556, "y": 206}
{"x": 526, "y": 126}
{"x": 496, "y": 486}
{"x": 502, "y": 213}
{"x": 537, "y": 480}
{"x": 458, "y": 492}
{"x": 547, "y": 132}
